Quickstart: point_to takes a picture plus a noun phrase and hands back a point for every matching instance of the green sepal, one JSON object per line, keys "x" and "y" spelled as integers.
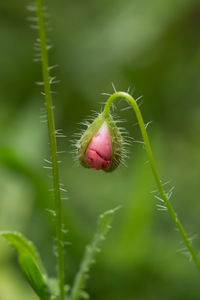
{"x": 116, "y": 141}
{"x": 30, "y": 263}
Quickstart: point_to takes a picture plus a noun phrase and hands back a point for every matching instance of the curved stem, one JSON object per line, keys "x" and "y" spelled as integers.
{"x": 164, "y": 197}
{"x": 53, "y": 146}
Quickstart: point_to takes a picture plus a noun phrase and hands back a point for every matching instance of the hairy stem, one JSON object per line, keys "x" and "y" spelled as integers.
{"x": 53, "y": 146}
{"x": 159, "y": 184}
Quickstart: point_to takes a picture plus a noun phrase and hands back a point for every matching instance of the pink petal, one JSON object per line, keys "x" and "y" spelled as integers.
{"x": 99, "y": 151}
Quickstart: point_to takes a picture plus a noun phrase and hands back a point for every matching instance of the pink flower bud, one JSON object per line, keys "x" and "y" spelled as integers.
{"x": 99, "y": 151}
{"x": 100, "y": 146}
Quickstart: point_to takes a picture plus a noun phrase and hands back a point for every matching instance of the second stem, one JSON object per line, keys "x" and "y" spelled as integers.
{"x": 159, "y": 184}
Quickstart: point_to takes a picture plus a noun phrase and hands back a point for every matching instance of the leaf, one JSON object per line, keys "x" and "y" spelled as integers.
{"x": 30, "y": 263}
{"x": 103, "y": 227}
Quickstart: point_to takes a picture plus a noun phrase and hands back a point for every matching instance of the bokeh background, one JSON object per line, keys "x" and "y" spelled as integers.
{"x": 153, "y": 47}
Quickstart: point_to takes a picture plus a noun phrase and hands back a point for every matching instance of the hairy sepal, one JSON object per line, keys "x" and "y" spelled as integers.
{"x": 115, "y": 136}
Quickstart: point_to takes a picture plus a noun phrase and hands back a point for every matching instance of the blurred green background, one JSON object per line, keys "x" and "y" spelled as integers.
{"x": 152, "y": 46}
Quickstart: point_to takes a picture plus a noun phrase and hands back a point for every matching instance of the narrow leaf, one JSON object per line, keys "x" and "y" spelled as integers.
{"x": 104, "y": 222}
{"x": 30, "y": 263}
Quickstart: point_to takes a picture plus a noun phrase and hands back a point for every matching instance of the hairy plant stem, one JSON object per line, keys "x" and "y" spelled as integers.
{"x": 159, "y": 184}
{"x": 53, "y": 146}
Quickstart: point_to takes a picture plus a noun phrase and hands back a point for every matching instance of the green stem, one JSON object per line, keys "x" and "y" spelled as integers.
{"x": 159, "y": 184}
{"x": 53, "y": 146}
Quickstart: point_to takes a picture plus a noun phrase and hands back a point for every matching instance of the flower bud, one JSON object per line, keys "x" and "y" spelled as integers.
{"x": 100, "y": 147}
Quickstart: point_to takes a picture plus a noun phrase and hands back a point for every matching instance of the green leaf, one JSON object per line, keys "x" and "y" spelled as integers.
{"x": 103, "y": 227}
{"x": 30, "y": 263}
